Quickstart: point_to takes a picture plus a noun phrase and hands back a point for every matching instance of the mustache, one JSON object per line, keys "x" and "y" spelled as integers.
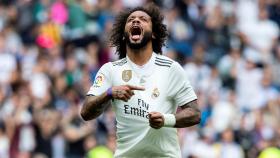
{"x": 144, "y": 41}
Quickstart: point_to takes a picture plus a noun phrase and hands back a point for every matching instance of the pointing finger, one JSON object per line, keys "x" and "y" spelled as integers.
{"x": 136, "y": 88}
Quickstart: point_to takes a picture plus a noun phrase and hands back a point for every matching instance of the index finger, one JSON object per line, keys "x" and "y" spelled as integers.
{"x": 136, "y": 88}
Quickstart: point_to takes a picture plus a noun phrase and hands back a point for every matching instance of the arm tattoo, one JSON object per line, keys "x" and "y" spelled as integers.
{"x": 192, "y": 104}
{"x": 188, "y": 116}
{"x": 94, "y": 106}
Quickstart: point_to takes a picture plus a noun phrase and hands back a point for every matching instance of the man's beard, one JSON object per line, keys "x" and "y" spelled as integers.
{"x": 146, "y": 38}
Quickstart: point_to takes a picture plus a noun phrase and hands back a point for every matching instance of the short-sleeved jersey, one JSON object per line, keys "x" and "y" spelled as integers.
{"x": 166, "y": 88}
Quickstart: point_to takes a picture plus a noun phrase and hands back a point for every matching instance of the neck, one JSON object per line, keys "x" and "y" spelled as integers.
{"x": 140, "y": 56}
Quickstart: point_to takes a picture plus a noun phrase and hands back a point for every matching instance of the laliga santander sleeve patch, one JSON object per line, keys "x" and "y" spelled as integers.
{"x": 99, "y": 79}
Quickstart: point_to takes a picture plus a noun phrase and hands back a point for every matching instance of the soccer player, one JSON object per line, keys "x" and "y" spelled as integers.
{"x": 144, "y": 88}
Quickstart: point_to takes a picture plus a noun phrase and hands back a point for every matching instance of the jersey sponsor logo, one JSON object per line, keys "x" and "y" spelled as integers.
{"x": 155, "y": 93}
{"x": 136, "y": 111}
{"x": 98, "y": 80}
{"x": 141, "y": 109}
{"x": 126, "y": 75}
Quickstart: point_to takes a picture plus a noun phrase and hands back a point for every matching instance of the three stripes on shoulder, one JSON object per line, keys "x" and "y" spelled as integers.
{"x": 120, "y": 62}
{"x": 163, "y": 62}
{"x": 158, "y": 61}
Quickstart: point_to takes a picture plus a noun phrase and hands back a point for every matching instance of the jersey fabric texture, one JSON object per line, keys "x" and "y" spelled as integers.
{"x": 166, "y": 88}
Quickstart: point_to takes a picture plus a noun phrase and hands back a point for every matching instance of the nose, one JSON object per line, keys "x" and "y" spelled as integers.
{"x": 135, "y": 21}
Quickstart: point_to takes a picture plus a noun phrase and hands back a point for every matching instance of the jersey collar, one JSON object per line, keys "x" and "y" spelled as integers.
{"x": 144, "y": 70}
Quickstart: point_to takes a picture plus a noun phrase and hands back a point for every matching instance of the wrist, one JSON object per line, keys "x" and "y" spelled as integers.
{"x": 169, "y": 120}
{"x": 109, "y": 92}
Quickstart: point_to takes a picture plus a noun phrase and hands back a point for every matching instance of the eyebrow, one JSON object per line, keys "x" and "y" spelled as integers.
{"x": 142, "y": 16}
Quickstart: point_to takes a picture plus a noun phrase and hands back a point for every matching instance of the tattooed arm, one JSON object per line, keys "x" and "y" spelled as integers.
{"x": 94, "y": 105}
{"x": 188, "y": 116}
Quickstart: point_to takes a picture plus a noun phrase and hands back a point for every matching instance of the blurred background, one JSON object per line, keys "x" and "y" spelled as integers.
{"x": 50, "y": 51}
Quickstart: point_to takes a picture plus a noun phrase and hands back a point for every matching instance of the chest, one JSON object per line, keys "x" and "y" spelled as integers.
{"x": 155, "y": 83}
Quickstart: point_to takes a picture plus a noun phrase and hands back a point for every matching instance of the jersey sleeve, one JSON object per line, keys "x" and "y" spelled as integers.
{"x": 180, "y": 89}
{"x": 102, "y": 80}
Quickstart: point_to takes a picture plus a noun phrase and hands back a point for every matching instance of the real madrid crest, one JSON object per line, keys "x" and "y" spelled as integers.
{"x": 126, "y": 75}
{"x": 155, "y": 93}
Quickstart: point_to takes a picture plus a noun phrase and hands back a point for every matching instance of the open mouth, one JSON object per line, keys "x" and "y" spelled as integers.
{"x": 135, "y": 32}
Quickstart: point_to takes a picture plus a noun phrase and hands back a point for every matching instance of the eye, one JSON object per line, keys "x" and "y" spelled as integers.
{"x": 129, "y": 20}
{"x": 144, "y": 19}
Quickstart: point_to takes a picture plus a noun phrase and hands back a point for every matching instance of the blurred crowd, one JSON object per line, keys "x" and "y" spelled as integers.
{"x": 50, "y": 51}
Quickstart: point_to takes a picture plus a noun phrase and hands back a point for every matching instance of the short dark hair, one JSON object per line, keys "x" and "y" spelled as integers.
{"x": 158, "y": 28}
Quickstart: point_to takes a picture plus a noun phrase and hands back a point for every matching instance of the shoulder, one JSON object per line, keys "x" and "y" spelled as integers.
{"x": 119, "y": 62}
{"x": 164, "y": 61}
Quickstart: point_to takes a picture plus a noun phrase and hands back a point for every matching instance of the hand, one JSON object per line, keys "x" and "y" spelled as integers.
{"x": 156, "y": 120}
{"x": 124, "y": 92}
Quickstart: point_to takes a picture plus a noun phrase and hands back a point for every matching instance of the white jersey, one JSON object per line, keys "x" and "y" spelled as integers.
{"x": 166, "y": 88}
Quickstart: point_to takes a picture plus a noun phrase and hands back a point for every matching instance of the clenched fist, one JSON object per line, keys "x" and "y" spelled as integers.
{"x": 156, "y": 120}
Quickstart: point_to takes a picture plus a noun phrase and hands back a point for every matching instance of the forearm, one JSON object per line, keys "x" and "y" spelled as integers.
{"x": 188, "y": 116}
{"x": 94, "y": 106}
